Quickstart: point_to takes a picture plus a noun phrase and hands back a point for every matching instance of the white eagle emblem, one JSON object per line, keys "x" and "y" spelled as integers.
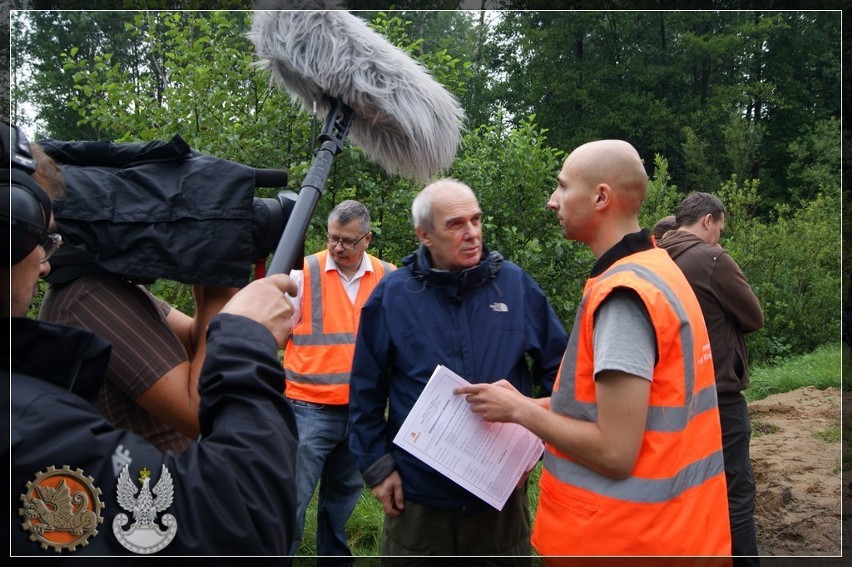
{"x": 144, "y": 535}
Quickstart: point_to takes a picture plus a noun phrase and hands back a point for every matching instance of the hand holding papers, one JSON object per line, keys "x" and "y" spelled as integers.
{"x": 488, "y": 459}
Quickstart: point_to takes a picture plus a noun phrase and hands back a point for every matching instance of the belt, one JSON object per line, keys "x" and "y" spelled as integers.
{"x": 314, "y": 405}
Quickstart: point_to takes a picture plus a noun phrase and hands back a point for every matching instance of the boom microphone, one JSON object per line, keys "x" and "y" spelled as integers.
{"x": 404, "y": 119}
{"x": 394, "y": 110}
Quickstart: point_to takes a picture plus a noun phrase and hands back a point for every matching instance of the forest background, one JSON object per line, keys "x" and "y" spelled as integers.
{"x": 744, "y": 104}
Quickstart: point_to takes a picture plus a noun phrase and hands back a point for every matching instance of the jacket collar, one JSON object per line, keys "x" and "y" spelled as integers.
{"x": 484, "y": 272}
{"x": 630, "y": 244}
{"x": 71, "y": 358}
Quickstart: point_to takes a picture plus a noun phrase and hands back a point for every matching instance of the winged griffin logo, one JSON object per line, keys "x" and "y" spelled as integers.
{"x": 61, "y": 509}
{"x": 144, "y": 535}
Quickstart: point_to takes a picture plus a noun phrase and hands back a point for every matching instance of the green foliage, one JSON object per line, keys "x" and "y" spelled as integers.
{"x": 742, "y": 144}
{"x": 794, "y": 268}
{"x": 40, "y": 78}
{"x": 670, "y": 83}
{"x": 364, "y": 529}
{"x": 814, "y": 159}
{"x": 699, "y": 174}
{"x": 35, "y": 306}
{"x": 184, "y": 83}
{"x": 663, "y": 197}
{"x": 176, "y": 294}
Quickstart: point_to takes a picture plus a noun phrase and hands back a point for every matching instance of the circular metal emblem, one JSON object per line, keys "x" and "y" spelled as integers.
{"x": 61, "y": 509}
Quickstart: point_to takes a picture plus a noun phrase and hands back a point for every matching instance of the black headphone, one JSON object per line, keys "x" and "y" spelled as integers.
{"x": 30, "y": 209}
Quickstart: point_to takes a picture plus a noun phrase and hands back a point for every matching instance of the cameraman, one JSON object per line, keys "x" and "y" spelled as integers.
{"x": 233, "y": 489}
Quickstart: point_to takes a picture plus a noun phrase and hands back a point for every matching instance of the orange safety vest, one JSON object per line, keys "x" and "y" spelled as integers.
{"x": 318, "y": 354}
{"x": 675, "y": 500}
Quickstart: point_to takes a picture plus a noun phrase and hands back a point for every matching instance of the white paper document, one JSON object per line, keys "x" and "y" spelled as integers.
{"x": 488, "y": 459}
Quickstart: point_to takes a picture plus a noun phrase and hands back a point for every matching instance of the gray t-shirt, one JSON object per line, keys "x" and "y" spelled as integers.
{"x": 624, "y": 338}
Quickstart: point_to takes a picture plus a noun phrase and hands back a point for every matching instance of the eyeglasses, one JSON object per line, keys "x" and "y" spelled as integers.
{"x": 347, "y": 244}
{"x": 49, "y": 241}
{"x": 50, "y": 244}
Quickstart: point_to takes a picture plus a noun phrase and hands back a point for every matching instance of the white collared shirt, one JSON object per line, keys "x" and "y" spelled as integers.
{"x": 350, "y": 285}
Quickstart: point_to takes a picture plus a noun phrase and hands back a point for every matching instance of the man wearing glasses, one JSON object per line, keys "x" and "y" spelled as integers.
{"x": 31, "y": 219}
{"x": 332, "y": 287}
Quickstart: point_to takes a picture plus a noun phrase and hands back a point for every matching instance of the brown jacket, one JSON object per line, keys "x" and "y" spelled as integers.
{"x": 728, "y": 303}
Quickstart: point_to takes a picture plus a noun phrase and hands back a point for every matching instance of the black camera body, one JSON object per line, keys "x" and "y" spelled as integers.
{"x": 159, "y": 209}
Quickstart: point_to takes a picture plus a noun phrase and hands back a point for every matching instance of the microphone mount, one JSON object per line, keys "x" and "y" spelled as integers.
{"x": 337, "y": 123}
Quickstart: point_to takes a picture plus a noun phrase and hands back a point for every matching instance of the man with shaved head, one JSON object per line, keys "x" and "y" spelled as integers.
{"x": 634, "y": 454}
{"x": 454, "y": 303}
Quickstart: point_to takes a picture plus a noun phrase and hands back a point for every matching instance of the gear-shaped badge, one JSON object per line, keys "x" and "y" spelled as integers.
{"x": 61, "y": 509}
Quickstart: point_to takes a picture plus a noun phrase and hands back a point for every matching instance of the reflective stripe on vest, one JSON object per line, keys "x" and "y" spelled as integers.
{"x": 328, "y": 350}
{"x": 637, "y": 489}
{"x": 583, "y": 512}
{"x": 318, "y": 335}
{"x": 659, "y": 418}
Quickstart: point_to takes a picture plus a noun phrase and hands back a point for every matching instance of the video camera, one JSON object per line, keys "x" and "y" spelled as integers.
{"x": 163, "y": 210}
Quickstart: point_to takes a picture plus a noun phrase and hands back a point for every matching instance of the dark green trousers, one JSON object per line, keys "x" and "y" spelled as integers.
{"x": 490, "y": 538}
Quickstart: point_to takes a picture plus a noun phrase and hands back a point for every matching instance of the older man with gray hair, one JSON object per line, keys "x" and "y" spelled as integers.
{"x": 454, "y": 303}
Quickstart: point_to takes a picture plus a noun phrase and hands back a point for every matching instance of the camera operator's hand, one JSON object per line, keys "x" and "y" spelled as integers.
{"x": 264, "y": 301}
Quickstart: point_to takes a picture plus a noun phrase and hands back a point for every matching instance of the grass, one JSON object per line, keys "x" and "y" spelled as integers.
{"x": 759, "y": 428}
{"x": 364, "y": 528}
{"x": 830, "y": 435}
{"x": 821, "y": 369}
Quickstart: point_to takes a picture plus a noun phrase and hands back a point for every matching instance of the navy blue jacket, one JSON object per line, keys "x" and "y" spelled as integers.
{"x": 489, "y": 322}
{"x": 234, "y": 490}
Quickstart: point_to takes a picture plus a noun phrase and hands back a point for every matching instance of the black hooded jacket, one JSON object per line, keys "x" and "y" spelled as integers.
{"x": 233, "y": 490}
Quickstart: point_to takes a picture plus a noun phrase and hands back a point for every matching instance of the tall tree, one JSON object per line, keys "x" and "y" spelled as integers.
{"x": 803, "y": 66}
{"x": 731, "y": 81}
{"x": 40, "y": 78}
